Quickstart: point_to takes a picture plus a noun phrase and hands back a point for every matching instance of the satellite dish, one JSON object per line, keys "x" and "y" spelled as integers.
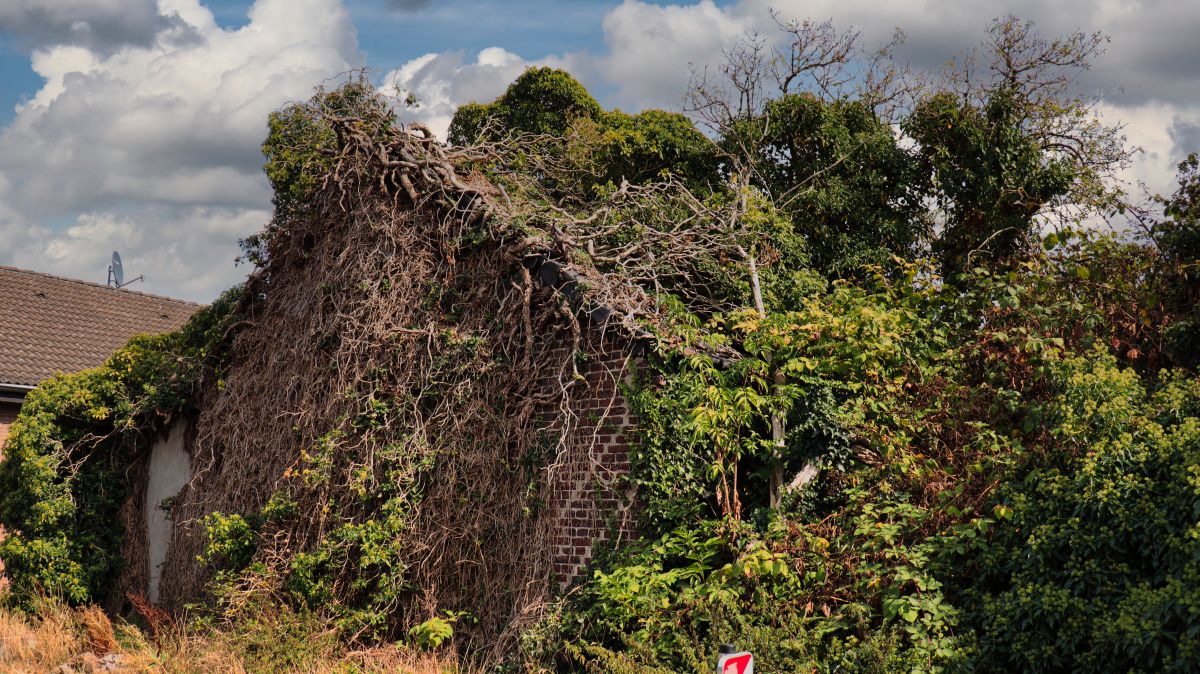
{"x": 116, "y": 273}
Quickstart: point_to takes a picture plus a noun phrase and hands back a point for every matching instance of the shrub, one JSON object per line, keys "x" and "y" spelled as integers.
{"x": 1097, "y": 568}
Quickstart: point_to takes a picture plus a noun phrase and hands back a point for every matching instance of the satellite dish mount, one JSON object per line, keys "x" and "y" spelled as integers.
{"x": 116, "y": 273}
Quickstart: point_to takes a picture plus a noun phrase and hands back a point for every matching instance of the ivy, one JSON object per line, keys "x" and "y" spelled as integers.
{"x": 65, "y": 476}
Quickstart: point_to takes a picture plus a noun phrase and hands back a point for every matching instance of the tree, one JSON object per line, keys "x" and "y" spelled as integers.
{"x": 796, "y": 127}
{"x": 836, "y": 170}
{"x": 992, "y": 179}
{"x": 1013, "y": 145}
{"x": 1178, "y": 235}
{"x": 1178, "y": 239}
{"x": 299, "y": 151}
{"x": 643, "y": 148}
{"x": 600, "y": 149}
{"x": 540, "y": 101}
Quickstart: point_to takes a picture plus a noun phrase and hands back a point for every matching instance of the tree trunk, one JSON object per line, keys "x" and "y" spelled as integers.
{"x": 778, "y": 420}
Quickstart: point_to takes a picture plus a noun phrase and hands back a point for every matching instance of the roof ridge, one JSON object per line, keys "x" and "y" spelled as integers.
{"x": 98, "y": 285}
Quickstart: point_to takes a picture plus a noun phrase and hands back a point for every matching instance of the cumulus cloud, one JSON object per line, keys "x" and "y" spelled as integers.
{"x": 156, "y": 147}
{"x": 439, "y": 83}
{"x": 145, "y": 133}
{"x": 652, "y": 47}
{"x": 1185, "y": 134}
{"x": 100, "y": 25}
{"x": 1148, "y": 127}
{"x": 1151, "y": 55}
{"x": 1147, "y": 77}
{"x": 185, "y": 252}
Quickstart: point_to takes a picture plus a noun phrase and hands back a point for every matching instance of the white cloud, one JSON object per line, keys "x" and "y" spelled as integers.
{"x": 163, "y": 243}
{"x": 440, "y": 83}
{"x": 139, "y": 141}
{"x": 101, "y": 25}
{"x": 1148, "y": 125}
{"x": 649, "y": 51}
{"x": 652, "y": 48}
{"x": 1185, "y": 132}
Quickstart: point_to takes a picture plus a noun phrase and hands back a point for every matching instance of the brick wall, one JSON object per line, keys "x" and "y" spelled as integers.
{"x": 8, "y": 413}
{"x": 586, "y": 497}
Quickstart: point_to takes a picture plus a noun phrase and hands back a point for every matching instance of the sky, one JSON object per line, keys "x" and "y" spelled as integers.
{"x": 135, "y": 125}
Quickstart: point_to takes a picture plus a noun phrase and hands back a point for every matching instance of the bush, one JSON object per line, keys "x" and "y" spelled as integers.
{"x": 1097, "y": 568}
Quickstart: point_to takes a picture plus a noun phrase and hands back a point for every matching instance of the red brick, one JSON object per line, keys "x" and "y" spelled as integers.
{"x": 585, "y": 494}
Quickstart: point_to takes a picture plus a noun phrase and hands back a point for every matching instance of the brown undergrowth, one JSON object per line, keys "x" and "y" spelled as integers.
{"x": 84, "y": 640}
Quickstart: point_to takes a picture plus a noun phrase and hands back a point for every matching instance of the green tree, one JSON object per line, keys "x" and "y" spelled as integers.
{"x": 992, "y": 179}
{"x": 299, "y": 151}
{"x": 737, "y": 102}
{"x": 1013, "y": 144}
{"x": 601, "y": 149}
{"x": 300, "y": 143}
{"x": 838, "y": 172}
{"x": 540, "y": 101}
{"x": 649, "y": 146}
{"x": 1178, "y": 239}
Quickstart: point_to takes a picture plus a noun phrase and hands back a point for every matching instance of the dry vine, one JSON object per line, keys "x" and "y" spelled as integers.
{"x": 397, "y": 362}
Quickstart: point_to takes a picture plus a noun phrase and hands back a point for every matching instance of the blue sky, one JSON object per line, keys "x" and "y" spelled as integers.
{"x": 135, "y": 124}
{"x": 17, "y": 80}
{"x": 389, "y": 38}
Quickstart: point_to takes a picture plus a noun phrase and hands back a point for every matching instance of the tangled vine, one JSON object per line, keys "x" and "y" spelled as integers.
{"x": 400, "y": 382}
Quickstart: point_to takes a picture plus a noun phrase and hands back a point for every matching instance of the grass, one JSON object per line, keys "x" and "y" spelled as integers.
{"x": 58, "y": 638}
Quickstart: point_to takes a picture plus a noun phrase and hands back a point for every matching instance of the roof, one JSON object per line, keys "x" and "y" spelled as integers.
{"x": 50, "y": 324}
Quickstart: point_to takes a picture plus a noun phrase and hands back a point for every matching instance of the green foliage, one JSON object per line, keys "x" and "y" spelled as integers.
{"x": 847, "y": 575}
{"x": 294, "y": 162}
{"x": 642, "y": 148}
{"x": 65, "y": 475}
{"x": 665, "y": 597}
{"x": 992, "y": 176}
{"x": 601, "y": 149}
{"x": 842, "y": 354}
{"x": 436, "y": 631}
{"x": 357, "y": 570}
{"x": 267, "y": 636}
{"x": 230, "y": 540}
{"x": 668, "y": 602}
{"x": 299, "y": 150}
{"x": 1000, "y": 490}
{"x": 65, "y": 546}
{"x": 1179, "y": 234}
{"x": 838, "y": 171}
{"x": 540, "y": 101}
{"x": 1178, "y": 238}
{"x": 1010, "y": 143}
{"x": 1095, "y": 570}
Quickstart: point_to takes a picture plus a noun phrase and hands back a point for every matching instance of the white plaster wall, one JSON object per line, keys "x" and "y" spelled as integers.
{"x": 170, "y": 469}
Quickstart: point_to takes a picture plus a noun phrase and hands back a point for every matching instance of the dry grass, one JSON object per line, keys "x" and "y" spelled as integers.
{"x": 63, "y": 640}
{"x": 4, "y": 582}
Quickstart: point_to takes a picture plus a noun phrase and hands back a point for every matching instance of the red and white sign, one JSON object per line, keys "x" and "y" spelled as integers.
{"x": 736, "y": 663}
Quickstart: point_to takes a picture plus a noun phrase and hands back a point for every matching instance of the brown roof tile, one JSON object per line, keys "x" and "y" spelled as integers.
{"x": 50, "y": 324}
